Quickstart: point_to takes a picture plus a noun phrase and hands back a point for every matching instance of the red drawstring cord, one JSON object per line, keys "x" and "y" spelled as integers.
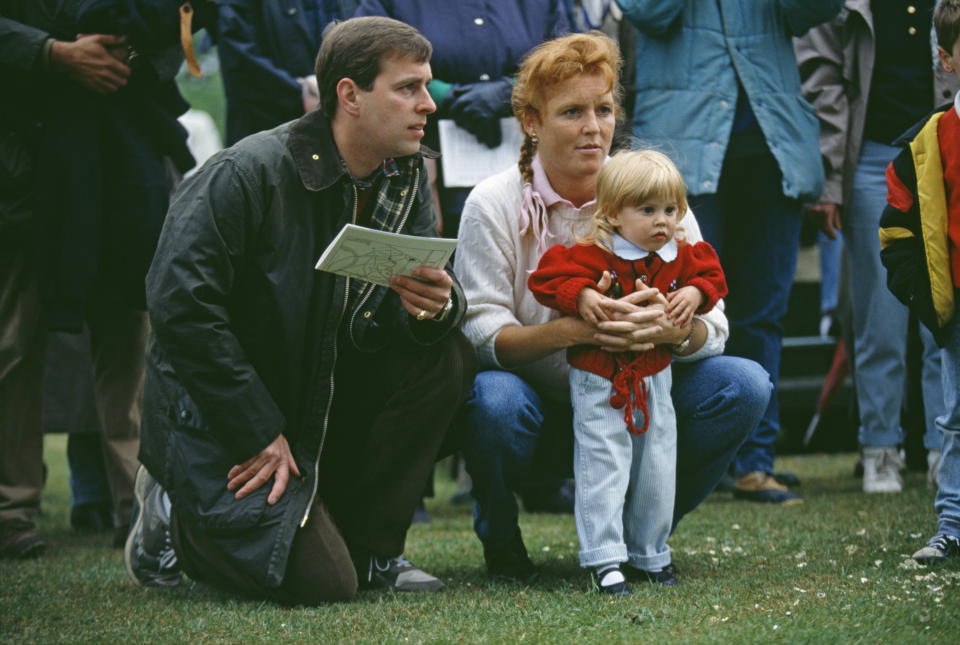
{"x": 626, "y": 377}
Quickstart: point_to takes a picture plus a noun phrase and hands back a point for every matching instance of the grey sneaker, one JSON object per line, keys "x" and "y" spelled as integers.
{"x": 881, "y": 470}
{"x": 398, "y": 574}
{"x": 148, "y": 554}
{"x": 940, "y": 548}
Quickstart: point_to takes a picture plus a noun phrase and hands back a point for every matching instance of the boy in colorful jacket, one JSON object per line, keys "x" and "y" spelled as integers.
{"x": 920, "y": 247}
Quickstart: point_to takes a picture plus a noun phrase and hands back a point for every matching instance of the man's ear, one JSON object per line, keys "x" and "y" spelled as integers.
{"x": 945, "y": 59}
{"x": 348, "y": 96}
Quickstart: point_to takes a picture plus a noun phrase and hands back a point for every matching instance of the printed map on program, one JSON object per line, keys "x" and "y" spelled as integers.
{"x": 375, "y": 256}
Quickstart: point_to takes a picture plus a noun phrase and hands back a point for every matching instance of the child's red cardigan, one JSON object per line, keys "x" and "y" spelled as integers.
{"x": 563, "y": 272}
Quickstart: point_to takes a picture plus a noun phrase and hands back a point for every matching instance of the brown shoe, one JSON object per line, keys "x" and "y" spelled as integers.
{"x": 19, "y": 539}
{"x": 759, "y": 486}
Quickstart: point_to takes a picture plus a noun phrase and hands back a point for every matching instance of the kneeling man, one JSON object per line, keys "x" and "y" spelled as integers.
{"x": 291, "y": 417}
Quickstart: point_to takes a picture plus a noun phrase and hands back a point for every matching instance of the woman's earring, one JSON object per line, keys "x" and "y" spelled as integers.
{"x": 534, "y": 140}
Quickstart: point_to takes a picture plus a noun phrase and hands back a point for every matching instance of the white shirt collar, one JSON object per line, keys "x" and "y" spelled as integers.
{"x": 627, "y": 250}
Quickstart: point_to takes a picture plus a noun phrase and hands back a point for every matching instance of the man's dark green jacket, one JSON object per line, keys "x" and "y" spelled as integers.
{"x": 245, "y": 332}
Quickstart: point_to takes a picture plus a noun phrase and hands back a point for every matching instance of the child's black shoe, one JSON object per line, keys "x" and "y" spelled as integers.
{"x": 610, "y": 580}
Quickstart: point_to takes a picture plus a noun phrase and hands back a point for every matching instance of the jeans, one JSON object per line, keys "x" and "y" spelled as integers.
{"x": 625, "y": 482}
{"x": 948, "y": 490}
{"x": 879, "y": 320}
{"x": 755, "y": 230}
{"x": 515, "y": 436}
{"x": 831, "y": 254}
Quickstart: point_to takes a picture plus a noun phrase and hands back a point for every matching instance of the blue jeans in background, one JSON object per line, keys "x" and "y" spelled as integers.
{"x": 948, "y": 491}
{"x": 831, "y": 255}
{"x": 755, "y": 230}
{"x": 880, "y": 321}
{"x": 515, "y": 436}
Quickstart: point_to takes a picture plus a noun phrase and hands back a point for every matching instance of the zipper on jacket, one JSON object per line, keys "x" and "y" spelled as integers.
{"x": 405, "y": 213}
{"x": 333, "y": 369}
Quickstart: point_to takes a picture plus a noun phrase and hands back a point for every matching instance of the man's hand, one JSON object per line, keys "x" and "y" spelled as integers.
{"x": 827, "y": 217}
{"x": 424, "y": 295}
{"x": 275, "y": 461}
{"x": 94, "y": 61}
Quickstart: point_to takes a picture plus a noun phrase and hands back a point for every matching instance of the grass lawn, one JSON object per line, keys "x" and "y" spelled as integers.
{"x": 836, "y": 569}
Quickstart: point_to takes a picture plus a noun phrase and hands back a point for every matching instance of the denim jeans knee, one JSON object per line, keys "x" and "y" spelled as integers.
{"x": 505, "y": 415}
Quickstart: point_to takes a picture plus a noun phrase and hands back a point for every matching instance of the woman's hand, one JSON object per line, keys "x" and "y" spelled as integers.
{"x": 638, "y": 322}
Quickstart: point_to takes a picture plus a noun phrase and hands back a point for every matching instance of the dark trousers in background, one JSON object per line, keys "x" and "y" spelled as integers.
{"x": 391, "y": 414}
{"x": 118, "y": 337}
{"x": 755, "y": 230}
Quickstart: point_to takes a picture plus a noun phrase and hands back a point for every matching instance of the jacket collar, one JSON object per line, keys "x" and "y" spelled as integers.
{"x": 316, "y": 156}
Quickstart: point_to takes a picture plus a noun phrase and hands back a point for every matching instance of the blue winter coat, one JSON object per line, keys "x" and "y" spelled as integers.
{"x": 690, "y": 54}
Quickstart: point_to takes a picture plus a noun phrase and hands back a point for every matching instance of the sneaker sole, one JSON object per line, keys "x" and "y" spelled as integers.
{"x": 135, "y": 528}
{"x": 761, "y": 497}
{"x": 935, "y": 559}
{"x": 873, "y": 490}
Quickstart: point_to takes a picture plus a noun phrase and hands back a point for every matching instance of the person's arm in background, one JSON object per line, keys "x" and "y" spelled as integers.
{"x": 652, "y": 17}
{"x": 820, "y": 56}
{"x": 264, "y": 89}
{"x": 802, "y": 15}
{"x": 95, "y": 61}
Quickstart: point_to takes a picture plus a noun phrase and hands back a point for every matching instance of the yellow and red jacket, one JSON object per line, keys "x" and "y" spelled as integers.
{"x": 920, "y": 225}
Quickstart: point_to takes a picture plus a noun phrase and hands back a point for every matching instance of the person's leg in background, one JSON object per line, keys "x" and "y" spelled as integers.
{"x": 931, "y": 382}
{"x": 22, "y": 344}
{"x": 756, "y": 231}
{"x": 69, "y": 406}
{"x": 118, "y": 340}
{"x": 831, "y": 254}
{"x": 91, "y": 505}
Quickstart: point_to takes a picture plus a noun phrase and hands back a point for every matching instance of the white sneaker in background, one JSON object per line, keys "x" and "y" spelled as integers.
{"x": 881, "y": 470}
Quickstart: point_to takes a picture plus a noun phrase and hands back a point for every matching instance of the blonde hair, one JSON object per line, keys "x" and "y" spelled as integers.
{"x": 554, "y": 62}
{"x": 631, "y": 178}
